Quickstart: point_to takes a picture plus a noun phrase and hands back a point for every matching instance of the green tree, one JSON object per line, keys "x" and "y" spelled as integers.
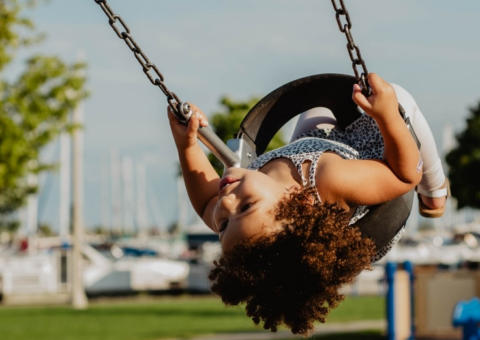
{"x": 34, "y": 107}
{"x": 226, "y": 124}
{"x": 45, "y": 229}
{"x": 464, "y": 163}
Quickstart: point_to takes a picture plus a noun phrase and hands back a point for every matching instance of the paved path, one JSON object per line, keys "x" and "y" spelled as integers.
{"x": 320, "y": 330}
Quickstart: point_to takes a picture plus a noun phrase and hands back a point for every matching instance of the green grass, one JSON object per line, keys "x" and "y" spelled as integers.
{"x": 148, "y": 320}
{"x": 359, "y": 308}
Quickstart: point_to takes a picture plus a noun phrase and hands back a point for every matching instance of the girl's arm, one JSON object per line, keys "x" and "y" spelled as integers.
{"x": 400, "y": 150}
{"x": 376, "y": 181}
{"x": 201, "y": 179}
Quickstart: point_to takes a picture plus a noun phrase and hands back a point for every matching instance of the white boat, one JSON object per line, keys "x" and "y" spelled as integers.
{"x": 45, "y": 277}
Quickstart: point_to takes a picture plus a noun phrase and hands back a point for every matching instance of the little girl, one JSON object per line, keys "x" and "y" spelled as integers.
{"x": 286, "y": 224}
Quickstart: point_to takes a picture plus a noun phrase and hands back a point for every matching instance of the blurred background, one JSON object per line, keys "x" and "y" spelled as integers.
{"x": 84, "y": 141}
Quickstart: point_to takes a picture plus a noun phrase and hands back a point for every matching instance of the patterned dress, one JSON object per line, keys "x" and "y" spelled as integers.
{"x": 360, "y": 140}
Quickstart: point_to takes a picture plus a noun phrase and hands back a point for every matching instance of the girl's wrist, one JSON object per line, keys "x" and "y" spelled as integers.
{"x": 391, "y": 116}
{"x": 183, "y": 144}
{"x": 188, "y": 150}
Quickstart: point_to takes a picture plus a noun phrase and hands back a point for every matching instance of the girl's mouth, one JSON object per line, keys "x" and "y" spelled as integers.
{"x": 226, "y": 181}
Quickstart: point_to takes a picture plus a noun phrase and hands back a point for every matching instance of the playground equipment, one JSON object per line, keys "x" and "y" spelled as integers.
{"x": 422, "y": 299}
{"x": 467, "y": 315}
{"x": 400, "y": 312}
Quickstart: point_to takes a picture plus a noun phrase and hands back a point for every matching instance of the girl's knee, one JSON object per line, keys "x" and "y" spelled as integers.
{"x": 315, "y": 118}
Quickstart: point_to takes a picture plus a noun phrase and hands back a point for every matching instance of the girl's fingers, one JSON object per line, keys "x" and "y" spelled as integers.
{"x": 201, "y": 115}
{"x": 193, "y": 125}
{"x": 374, "y": 82}
{"x": 377, "y": 83}
{"x": 203, "y": 121}
{"x": 170, "y": 114}
{"x": 187, "y": 132}
{"x": 172, "y": 118}
{"x": 360, "y": 99}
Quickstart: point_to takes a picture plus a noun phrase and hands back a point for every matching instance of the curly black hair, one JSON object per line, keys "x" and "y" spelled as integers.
{"x": 293, "y": 276}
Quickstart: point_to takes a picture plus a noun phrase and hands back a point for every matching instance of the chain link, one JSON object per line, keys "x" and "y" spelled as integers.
{"x": 150, "y": 70}
{"x": 358, "y": 64}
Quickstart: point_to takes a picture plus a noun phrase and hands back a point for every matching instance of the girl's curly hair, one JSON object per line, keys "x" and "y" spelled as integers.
{"x": 293, "y": 276}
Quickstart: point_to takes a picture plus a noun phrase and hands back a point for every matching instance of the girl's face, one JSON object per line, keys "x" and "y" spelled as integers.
{"x": 246, "y": 205}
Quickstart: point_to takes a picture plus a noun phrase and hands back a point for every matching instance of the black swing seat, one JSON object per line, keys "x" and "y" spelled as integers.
{"x": 333, "y": 91}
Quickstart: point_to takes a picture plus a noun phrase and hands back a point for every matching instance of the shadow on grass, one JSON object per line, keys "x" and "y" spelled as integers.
{"x": 366, "y": 335}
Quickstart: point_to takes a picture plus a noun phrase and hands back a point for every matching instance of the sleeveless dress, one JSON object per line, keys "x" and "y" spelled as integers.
{"x": 360, "y": 140}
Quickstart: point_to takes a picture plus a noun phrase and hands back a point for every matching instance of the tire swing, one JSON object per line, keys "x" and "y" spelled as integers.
{"x": 332, "y": 91}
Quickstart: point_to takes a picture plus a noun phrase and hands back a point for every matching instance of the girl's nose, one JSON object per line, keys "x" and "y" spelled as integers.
{"x": 227, "y": 203}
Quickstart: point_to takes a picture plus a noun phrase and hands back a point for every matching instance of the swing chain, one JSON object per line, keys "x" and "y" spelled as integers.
{"x": 150, "y": 70}
{"x": 352, "y": 48}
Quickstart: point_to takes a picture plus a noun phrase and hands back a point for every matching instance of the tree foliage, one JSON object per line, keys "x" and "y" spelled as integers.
{"x": 34, "y": 107}
{"x": 464, "y": 163}
{"x": 226, "y": 124}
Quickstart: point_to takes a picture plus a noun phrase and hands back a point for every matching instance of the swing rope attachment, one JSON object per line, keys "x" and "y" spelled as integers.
{"x": 345, "y": 25}
{"x": 181, "y": 110}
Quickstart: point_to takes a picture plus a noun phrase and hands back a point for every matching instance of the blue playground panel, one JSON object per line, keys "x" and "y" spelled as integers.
{"x": 467, "y": 315}
{"x": 390, "y": 269}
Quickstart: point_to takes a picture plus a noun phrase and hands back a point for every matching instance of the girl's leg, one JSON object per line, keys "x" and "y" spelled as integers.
{"x": 316, "y": 118}
{"x": 433, "y": 177}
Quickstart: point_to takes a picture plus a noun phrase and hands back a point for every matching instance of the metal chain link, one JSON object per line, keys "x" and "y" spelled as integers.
{"x": 345, "y": 24}
{"x": 150, "y": 70}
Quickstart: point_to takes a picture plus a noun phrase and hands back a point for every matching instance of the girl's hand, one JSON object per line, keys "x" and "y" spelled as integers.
{"x": 185, "y": 136}
{"x": 383, "y": 100}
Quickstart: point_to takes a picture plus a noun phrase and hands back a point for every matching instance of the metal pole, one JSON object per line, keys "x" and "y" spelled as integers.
{"x": 127, "y": 201}
{"x": 221, "y": 151}
{"x": 390, "y": 269}
{"x": 115, "y": 194}
{"x": 408, "y": 266}
{"x": 79, "y": 299}
{"x": 65, "y": 172}
{"x": 208, "y": 137}
{"x": 32, "y": 214}
{"x": 141, "y": 213}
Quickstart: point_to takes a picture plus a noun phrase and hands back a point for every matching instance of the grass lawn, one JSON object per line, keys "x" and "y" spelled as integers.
{"x": 152, "y": 319}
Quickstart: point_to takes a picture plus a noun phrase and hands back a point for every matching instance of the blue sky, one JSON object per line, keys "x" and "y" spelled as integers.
{"x": 209, "y": 48}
